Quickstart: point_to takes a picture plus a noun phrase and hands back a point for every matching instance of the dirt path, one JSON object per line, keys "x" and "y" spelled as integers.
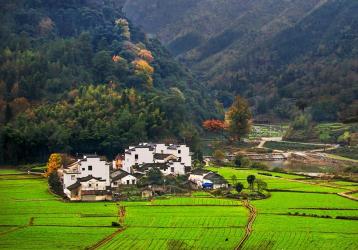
{"x": 121, "y": 215}
{"x": 250, "y": 222}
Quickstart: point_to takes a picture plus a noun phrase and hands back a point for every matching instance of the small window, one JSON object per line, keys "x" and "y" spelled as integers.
{"x": 179, "y": 151}
{"x": 127, "y": 182}
{"x": 115, "y": 183}
{"x": 162, "y": 151}
{"x": 73, "y": 177}
{"x": 136, "y": 157}
{"x": 133, "y": 182}
{"x": 172, "y": 169}
{"x": 90, "y": 185}
{"x": 179, "y": 158}
{"x": 83, "y": 169}
{"x": 89, "y": 168}
{"x": 97, "y": 185}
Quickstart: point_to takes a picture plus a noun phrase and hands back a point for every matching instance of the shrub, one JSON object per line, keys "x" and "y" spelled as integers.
{"x": 259, "y": 165}
{"x": 115, "y": 224}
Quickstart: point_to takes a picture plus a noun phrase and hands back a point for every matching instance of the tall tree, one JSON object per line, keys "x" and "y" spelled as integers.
{"x": 238, "y": 118}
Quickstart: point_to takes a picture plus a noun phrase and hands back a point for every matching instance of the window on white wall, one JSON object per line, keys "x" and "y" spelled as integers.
{"x": 89, "y": 168}
{"x": 179, "y": 151}
{"x": 73, "y": 177}
{"x": 90, "y": 185}
{"x": 172, "y": 169}
{"x": 136, "y": 157}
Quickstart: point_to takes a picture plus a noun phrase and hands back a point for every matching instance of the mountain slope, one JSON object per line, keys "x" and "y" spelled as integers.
{"x": 276, "y": 53}
{"x": 75, "y": 76}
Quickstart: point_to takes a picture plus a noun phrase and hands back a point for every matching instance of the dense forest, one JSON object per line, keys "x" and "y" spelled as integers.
{"x": 76, "y": 76}
{"x": 283, "y": 55}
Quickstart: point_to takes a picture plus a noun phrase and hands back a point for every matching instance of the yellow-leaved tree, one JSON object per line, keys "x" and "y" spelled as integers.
{"x": 141, "y": 65}
{"x": 54, "y": 163}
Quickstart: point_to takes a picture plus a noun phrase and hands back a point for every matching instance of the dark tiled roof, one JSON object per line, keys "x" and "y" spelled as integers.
{"x": 89, "y": 177}
{"x": 146, "y": 166}
{"x": 138, "y": 175}
{"x": 162, "y": 156}
{"x": 200, "y": 171}
{"x": 120, "y": 176}
{"x": 74, "y": 186}
{"x": 215, "y": 178}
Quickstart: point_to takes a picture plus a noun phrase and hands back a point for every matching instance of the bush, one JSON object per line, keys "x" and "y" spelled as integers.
{"x": 259, "y": 165}
{"x": 115, "y": 224}
{"x": 239, "y": 187}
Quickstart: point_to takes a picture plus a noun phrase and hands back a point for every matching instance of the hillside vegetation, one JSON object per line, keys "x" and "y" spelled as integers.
{"x": 76, "y": 76}
{"x": 276, "y": 53}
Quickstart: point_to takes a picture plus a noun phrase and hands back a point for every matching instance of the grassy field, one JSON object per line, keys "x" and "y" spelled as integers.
{"x": 31, "y": 218}
{"x": 280, "y": 181}
{"x": 346, "y": 152}
{"x": 181, "y": 223}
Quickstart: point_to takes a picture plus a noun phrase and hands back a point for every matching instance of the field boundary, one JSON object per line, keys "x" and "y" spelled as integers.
{"x": 105, "y": 240}
{"x": 250, "y": 222}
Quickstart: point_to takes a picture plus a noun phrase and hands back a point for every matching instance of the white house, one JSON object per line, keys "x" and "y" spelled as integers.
{"x": 176, "y": 158}
{"x": 204, "y": 178}
{"x": 122, "y": 177}
{"x": 197, "y": 176}
{"x": 89, "y": 166}
{"x": 88, "y": 188}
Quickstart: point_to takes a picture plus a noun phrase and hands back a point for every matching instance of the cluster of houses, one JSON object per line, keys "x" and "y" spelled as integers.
{"x": 92, "y": 178}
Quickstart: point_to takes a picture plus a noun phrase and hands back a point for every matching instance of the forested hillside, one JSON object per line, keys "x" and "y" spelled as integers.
{"x": 76, "y": 76}
{"x": 282, "y": 55}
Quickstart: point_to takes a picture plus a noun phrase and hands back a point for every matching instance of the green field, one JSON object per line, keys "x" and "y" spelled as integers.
{"x": 182, "y": 223}
{"x": 31, "y": 218}
{"x": 263, "y": 130}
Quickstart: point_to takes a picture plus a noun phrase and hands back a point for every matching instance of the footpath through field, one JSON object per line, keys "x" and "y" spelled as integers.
{"x": 250, "y": 222}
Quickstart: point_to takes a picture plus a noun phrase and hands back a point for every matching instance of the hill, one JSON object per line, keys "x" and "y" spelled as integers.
{"x": 76, "y": 76}
{"x": 276, "y": 53}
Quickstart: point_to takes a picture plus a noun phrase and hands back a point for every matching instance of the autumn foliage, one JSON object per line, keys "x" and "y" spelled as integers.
{"x": 214, "y": 125}
{"x": 146, "y": 55}
{"x": 142, "y": 66}
{"x": 54, "y": 163}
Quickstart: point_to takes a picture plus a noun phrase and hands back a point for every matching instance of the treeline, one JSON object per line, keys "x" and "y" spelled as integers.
{"x": 76, "y": 76}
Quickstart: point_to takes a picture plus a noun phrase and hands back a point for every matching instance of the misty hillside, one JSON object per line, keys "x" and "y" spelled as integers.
{"x": 275, "y": 52}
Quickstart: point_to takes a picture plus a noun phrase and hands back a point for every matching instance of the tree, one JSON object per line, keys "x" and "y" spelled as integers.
{"x": 55, "y": 183}
{"x": 238, "y": 118}
{"x": 260, "y": 184}
{"x": 250, "y": 180}
{"x": 54, "y": 163}
{"x": 155, "y": 176}
{"x": 324, "y": 136}
{"x": 219, "y": 155}
{"x": 214, "y": 125}
{"x": 239, "y": 187}
{"x": 243, "y": 162}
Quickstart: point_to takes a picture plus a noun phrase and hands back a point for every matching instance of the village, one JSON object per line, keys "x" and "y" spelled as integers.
{"x": 92, "y": 178}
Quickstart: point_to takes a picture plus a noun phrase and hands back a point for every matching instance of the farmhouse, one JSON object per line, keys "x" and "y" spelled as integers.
{"x": 206, "y": 179}
{"x": 87, "y": 179}
{"x": 121, "y": 177}
{"x": 169, "y": 158}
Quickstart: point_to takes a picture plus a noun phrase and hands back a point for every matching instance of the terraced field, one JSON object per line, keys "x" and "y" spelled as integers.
{"x": 31, "y": 217}
{"x": 181, "y": 223}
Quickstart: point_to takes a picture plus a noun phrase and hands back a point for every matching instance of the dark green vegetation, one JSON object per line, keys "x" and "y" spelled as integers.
{"x": 62, "y": 90}
{"x": 349, "y": 152}
{"x": 282, "y": 55}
